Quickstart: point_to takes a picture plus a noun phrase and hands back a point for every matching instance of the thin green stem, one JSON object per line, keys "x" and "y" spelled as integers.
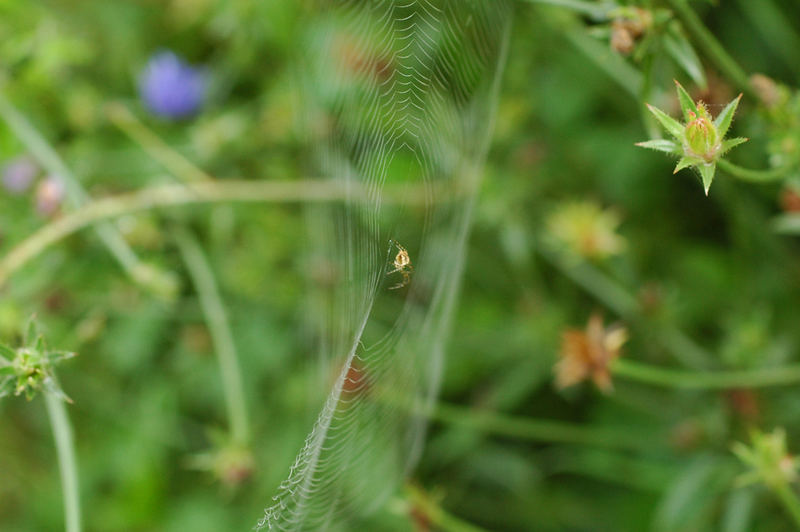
{"x": 47, "y": 156}
{"x": 206, "y": 192}
{"x": 756, "y": 176}
{"x": 219, "y": 327}
{"x": 790, "y": 501}
{"x": 162, "y": 152}
{"x": 595, "y": 10}
{"x": 65, "y": 450}
{"x": 715, "y": 51}
{"x": 707, "y": 380}
{"x": 534, "y": 429}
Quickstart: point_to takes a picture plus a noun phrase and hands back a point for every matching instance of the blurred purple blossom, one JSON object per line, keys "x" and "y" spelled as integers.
{"x": 49, "y": 195}
{"x": 18, "y": 174}
{"x": 172, "y": 88}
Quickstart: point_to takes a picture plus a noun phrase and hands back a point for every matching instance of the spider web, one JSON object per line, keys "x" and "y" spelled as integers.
{"x": 399, "y": 97}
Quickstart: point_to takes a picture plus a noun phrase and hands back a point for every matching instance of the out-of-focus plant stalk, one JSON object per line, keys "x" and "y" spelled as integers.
{"x": 46, "y": 155}
{"x": 597, "y": 11}
{"x": 756, "y": 176}
{"x": 65, "y": 450}
{"x": 206, "y": 192}
{"x": 715, "y": 51}
{"x": 219, "y": 327}
{"x": 162, "y": 152}
{"x": 525, "y": 428}
{"x": 706, "y": 380}
{"x": 199, "y": 270}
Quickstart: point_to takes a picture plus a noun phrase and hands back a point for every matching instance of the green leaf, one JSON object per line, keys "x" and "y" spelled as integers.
{"x": 707, "y": 174}
{"x": 738, "y": 513}
{"x": 672, "y": 126}
{"x": 678, "y": 47}
{"x": 727, "y": 145}
{"x": 31, "y": 331}
{"x": 40, "y": 345}
{"x": 6, "y": 354}
{"x": 687, "y": 501}
{"x": 667, "y": 146}
{"x": 723, "y": 121}
{"x": 686, "y": 162}
{"x": 687, "y": 104}
{"x": 6, "y": 388}
{"x": 53, "y": 357}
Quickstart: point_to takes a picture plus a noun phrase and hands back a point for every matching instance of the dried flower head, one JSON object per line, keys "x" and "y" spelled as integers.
{"x": 628, "y": 27}
{"x": 587, "y": 229}
{"x": 588, "y": 354}
{"x": 769, "y": 92}
{"x": 790, "y": 199}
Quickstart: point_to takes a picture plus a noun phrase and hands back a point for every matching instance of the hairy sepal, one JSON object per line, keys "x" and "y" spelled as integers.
{"x": 666, "y": 146}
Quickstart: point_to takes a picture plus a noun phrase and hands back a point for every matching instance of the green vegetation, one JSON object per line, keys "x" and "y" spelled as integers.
{"x": 197, "y": 198}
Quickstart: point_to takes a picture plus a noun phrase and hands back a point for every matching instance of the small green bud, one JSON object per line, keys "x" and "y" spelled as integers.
{"x": 702, "y": 140}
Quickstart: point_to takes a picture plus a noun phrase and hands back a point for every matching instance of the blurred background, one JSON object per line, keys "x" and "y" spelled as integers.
{"x": 571, "y": 221}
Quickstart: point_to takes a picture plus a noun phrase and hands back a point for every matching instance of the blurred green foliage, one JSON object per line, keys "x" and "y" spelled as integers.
{"x": 146, "y": 387}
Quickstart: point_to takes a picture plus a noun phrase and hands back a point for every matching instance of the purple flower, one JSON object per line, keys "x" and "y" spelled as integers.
{"x": 18, "y": 174}
{"x": 172, "y": 88}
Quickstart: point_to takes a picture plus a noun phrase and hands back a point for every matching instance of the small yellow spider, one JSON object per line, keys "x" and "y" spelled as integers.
{"x": 402, "y": 264}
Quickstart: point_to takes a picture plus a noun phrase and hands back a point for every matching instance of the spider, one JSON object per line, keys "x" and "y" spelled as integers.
{"x": 402, "y": 264}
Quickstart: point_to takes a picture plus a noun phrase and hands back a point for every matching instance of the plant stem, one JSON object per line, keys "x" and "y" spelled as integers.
{"x": 790, "y": 501}
{"x": 65, "y": 449}
{"x": 595, "y": 10}
{"x": 50, "y": 160}
{"x": 219, "y": 327}
{"x": 205, "y": 192}
{"x": 715, "y": 51}
{"x": 708, "y": 380}
{"x": 534, "y": 429}
{"x": 756, "y": 176}
{"x": 162, "y": 152}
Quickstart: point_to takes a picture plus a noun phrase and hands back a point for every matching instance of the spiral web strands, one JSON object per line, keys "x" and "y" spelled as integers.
{"x": 399, "y": 95}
